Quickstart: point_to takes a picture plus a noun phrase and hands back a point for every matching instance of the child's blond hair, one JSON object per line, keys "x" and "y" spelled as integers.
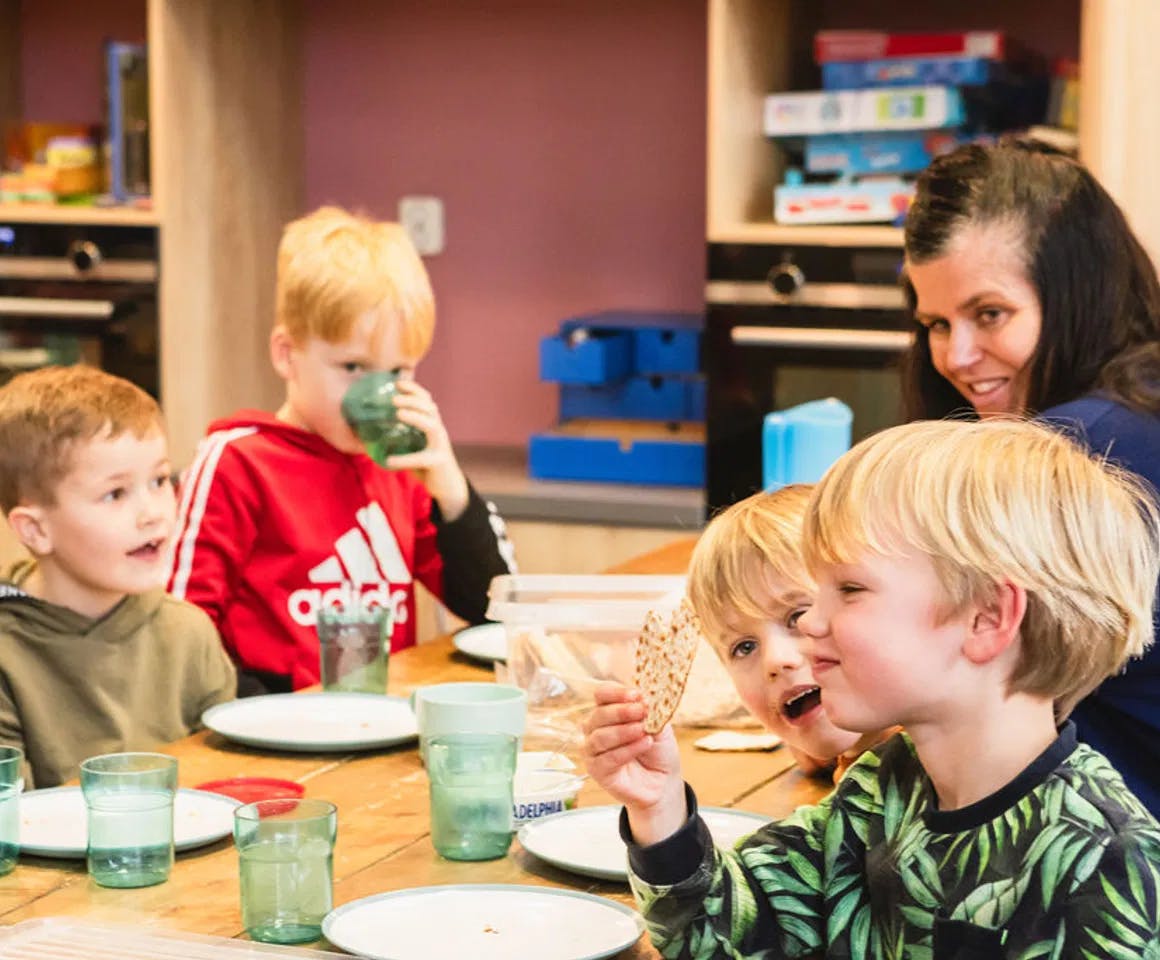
{"x": 1006, "y": 499}
{"x": 45, "y": 413}
{"x": 335, "y": 266}
{"x": 740, "y": 551}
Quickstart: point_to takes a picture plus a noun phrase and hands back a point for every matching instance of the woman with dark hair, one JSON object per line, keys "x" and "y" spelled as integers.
{"x": 1032, "y": 296}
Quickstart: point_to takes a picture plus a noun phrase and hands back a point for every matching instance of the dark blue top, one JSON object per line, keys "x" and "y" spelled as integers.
{"x": 1122, "y": 718}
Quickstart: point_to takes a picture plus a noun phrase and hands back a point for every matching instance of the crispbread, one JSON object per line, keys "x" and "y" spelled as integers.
{"x": 665, "y": 651}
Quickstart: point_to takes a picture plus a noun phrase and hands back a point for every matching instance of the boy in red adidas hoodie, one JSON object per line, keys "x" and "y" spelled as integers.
{"x": 281, "y": 513}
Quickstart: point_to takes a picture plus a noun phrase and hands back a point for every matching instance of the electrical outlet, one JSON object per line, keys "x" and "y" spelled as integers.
{"x": 422, "y": 218}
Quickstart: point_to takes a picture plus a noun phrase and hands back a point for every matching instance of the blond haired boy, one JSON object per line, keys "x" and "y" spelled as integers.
{"x": 284, "y": 513}
{"x": 974, "y": 580}
{"x": 94, "y": 656}
{"x": 749, "y": 586}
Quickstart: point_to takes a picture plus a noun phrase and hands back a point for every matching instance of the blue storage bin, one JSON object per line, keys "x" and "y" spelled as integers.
{"x": 601, "y": 356}
{"x": 696, "y": 399}
{"x": 554, "y": 456}
{"x": 667, "y": 351}
{"x": 662, "y": 342}
{"x": 638, "y": 398}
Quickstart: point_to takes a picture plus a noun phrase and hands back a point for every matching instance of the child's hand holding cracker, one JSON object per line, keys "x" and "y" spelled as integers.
{"x": 642, "y": 771}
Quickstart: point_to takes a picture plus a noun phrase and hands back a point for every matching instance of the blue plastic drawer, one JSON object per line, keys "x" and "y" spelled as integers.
{"x": 678, "y": 462}
{"x": 599, "y": 356}
{"x": 638, "y": 398}
{"x": 667, "y": 351}
{"x": 696, "y": 399}
{"x": 662, "y": 342}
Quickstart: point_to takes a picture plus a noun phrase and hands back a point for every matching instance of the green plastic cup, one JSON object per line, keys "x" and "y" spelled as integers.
{"x": 369, "y": 407}
{"x": 11, "y": 783}
{"x": 355, "y": 647}
{"x": 129, "y": 797}
{"x": 286, "y": 867}
{"x": 471, "y": 778}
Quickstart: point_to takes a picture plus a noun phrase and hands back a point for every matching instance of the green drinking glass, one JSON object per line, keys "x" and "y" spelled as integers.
{"x": 11, "y": 783}
{"x": 286, "y": 864}
{"x": 369, "y": 407}
{"x": 129, "y": 797}
{"x": 471, "y": 778}
{"x": 354, "y": 646}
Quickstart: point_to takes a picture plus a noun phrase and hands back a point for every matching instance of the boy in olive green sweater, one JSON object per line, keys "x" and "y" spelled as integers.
{"x": 94, "y": 656}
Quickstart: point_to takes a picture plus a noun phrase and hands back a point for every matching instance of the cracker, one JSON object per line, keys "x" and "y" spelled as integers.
{"x": 665, "y": 651}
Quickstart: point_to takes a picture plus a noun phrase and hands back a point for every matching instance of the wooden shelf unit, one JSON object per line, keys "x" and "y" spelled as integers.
{"x": 85, "y": 216}
{"x": 227, "y": 155}
{"x": 750, "y": 48}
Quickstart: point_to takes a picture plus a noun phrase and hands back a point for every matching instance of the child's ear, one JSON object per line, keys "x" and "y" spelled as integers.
{"x": 28, "y": 523}
{"x": 281, "y": 352}
{"x": 994, "y": 622}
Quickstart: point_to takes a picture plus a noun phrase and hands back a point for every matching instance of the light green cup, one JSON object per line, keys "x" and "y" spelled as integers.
{"x": 286, "y": 867}
{"x": 129, "y": 797}
{"x": 446, "y": 708}
{"x": 11, "y": 760}
{"x": 354, "y": 647}
{"x": 471, "y": 794}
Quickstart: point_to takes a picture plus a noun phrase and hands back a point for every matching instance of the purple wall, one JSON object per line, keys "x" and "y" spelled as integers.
{"x": 566, "y": 138}
{"x": 567, "y": 142}
{"x": 61, "y": 64}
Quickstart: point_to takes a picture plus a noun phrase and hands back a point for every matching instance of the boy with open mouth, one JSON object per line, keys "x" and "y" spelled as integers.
{"x": 749, "y": 586}
{"x": 94, "y": 656}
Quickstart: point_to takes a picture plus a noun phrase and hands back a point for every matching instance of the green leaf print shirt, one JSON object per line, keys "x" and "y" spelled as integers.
{"x": 1063, "y": 862}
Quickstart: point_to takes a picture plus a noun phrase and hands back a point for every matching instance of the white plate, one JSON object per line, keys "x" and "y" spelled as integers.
{"x": 483, "y": 922}
{"x": 587, "y": 841}
{"x": 487, "y": 642}
{"x": 315, "y": 722}
{"x": 54, "y": 823}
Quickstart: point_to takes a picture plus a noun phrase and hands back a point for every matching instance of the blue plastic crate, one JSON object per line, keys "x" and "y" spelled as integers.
{"x": 662, "y": 342}
{"x": 608, "y": 459}
{"x": 599, "y": 356}
{"x": 637, "y": 398}
{"x": 696, "y": 399}
{"x": 667, "y": 351}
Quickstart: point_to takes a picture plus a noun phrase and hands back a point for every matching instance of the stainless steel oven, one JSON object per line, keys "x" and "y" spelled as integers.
{"x": 72, "y": 293}
{"x": 786, "y": 324}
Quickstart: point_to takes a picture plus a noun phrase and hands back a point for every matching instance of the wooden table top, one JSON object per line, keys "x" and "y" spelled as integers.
{"x": 383, "y": 835}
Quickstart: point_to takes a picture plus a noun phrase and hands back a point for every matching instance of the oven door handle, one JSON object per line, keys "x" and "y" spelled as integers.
{"x": 822, "y": 338}
{"x": 835, "y": 296}
{"x": 61, "y": 309}
{"x": 24, "y": 358}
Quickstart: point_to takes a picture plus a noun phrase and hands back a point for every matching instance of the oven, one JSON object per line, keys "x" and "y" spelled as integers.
{"x": 78, "y": 293}
{"x": 790, "y": 323}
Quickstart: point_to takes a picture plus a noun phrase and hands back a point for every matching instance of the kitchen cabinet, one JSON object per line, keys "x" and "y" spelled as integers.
{"x": 227, "y": 157}
{"x": 752, "y": 49}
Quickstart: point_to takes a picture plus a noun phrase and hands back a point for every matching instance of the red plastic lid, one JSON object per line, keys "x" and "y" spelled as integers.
{"x": 249, "y": 789}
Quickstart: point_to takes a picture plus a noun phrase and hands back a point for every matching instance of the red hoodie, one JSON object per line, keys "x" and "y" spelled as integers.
{"x": 275, "y": 522}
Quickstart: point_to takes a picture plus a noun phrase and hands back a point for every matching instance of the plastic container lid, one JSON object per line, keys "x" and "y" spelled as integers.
{"x": 592, "y": 601}
{"x": 249, "y": 789}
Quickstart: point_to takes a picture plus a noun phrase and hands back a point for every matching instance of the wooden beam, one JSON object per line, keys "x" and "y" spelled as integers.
{"x": 225, "y": 88}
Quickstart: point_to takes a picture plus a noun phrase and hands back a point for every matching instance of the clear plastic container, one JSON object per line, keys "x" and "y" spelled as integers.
{"x": 566, "y": 634}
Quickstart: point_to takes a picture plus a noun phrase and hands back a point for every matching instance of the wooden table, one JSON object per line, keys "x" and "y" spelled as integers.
{"x": 383, "y": 836}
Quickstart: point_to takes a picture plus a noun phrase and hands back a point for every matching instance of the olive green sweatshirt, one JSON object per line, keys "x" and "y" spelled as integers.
{"x": 72, "y": 687}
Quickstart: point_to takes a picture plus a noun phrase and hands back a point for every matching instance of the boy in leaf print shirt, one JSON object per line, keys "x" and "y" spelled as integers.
{"x": 974, "y": 581}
